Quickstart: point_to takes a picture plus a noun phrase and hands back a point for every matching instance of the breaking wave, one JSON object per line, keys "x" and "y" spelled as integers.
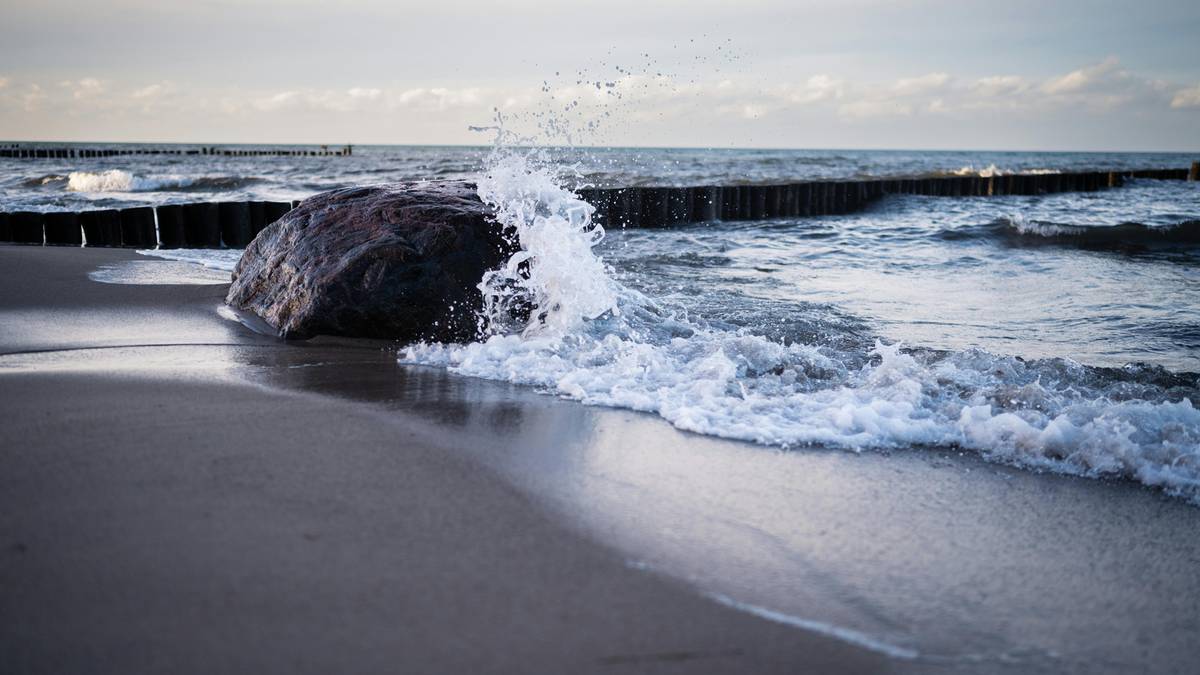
{"x": 1185, "y": 233}
{"x": 42, "y": 181}
{"x": 556, "y": 318}
{"x": 117, "y": 180}
{"x": 992, "y": 170}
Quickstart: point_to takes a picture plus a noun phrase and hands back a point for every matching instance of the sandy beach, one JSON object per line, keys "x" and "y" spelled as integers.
{"x": 165, "y": 509}
{"x": 181, "y": 493}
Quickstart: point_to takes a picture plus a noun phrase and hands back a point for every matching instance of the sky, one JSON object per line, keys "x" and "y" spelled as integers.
{"x": 1011, "y": 75}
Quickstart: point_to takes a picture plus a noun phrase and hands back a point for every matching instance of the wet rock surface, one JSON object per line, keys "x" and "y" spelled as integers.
{"x": 399, "y": 261}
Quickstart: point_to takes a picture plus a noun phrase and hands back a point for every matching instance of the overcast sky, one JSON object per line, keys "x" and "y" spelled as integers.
{"x": 852, "y": 74}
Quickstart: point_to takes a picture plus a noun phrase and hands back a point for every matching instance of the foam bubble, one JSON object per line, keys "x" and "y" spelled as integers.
{"x": 220, "y": 259}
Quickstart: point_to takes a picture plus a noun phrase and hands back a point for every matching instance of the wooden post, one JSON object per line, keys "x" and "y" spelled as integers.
{"x": 1194, "y": 173}
{"x": 745, "y": 202}
{"x": 836, "y": 203}
{"x": 597, "y": 198}
{"x": 273, "y": 211}
{"x": 102, "y": 228}
{"x": 825, "y": 194}
{"x": 791, "y": 201}
{"x": 201, "y": 226}
{"x": 679, "y": 205}
{"x": 235, "y": 223}
{"x": 806, "y": 194}
{"x": 630, "y": 207}
{"x": 727, "y": 207}
{"x": 706, "y": 204}
{"x": 653, "y": 207}
{"x": 27, "y": 227}
{"x": 62, "y": 229}
{"x": 170, "y": 226}
{"x": 137, "y": 227}
{"x": 816, "y": 198}
{"x": 758, "y": 202}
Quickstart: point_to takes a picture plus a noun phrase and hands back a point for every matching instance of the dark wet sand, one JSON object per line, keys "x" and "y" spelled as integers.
{"x": 158, "y": 515}
{"x": 179, "y": 493}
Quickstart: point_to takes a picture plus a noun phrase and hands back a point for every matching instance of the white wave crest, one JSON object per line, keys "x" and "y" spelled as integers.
{"x": 117, "y": 180}
{"x": 992, "y": 170}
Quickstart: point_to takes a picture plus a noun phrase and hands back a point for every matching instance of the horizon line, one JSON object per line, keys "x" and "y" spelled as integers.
{"x": 608, "y": 147}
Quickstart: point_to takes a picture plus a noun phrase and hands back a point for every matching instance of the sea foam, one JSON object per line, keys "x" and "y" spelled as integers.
{"x": 992, "y": 170}
{"x": 592, "y": 339}
{"x": 117, "y": 180}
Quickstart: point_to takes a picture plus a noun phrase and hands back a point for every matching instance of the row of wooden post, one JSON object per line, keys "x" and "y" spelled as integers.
{"x": 200, "y": 225}
{"x": 658, "y": 206}
{"x": 235, "y": 224}
{"x": 83, "y": 153}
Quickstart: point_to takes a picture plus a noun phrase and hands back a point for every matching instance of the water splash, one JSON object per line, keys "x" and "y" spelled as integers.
{"x": 554, "y": 282}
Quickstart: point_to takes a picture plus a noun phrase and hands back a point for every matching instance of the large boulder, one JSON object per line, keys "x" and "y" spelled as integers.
{"x": 399, "y": 261}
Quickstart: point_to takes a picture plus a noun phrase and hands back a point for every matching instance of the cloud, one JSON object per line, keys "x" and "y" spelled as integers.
{"x": 151, "y": 91}
{"x": 1080, "y": 79}
{"x": 32, "y": 99}
{"x": 875, "y": 108}
{"x": 920, "y": 85}
{"x": 1187, "y": 98}
{"x": 1106, "y": 85}
{"x": 364, "y": 93}
{"x": 620, "y": 106}
{"x": 1000, "y": 85}
{"x": 86, "y": 88}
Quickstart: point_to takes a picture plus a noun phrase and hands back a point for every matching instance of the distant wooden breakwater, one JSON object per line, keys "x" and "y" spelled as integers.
{"x": 21, "y": 152}
{"x": 235, "y": 224}
{"x": 660, "y": 206}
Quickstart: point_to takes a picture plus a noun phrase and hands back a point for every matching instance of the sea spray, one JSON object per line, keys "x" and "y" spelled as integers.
{"x": 555, "y": 272}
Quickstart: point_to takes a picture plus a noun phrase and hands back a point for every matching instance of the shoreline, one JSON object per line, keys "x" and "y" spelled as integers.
{"x": 885, "y": 545}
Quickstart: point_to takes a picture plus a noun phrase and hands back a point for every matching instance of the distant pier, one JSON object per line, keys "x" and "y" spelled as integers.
{"x": 235, "y": 224}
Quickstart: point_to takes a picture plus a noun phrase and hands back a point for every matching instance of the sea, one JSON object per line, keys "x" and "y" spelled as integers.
{"x": 1053, "y": 333}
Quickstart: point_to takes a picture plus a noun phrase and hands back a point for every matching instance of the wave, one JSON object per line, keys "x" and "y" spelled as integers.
{"x": 117, "y": 180}
{"x": 992, "y": 170}
{"x": 1123, "y": 235}
{"x": 556, "y": 318}
{"x": 42, "y": 181}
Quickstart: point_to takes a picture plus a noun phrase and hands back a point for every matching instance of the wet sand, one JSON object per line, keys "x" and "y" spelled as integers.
{"x": 178, "y": 492}
{"x": 161, "y": 512}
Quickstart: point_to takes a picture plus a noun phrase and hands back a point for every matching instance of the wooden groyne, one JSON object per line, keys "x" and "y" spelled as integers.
{"x": 235, "y": 224}
{"x": 659, "y": 206}
{"x": 38, "y": 152}
{"x": 200, "y": 225}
